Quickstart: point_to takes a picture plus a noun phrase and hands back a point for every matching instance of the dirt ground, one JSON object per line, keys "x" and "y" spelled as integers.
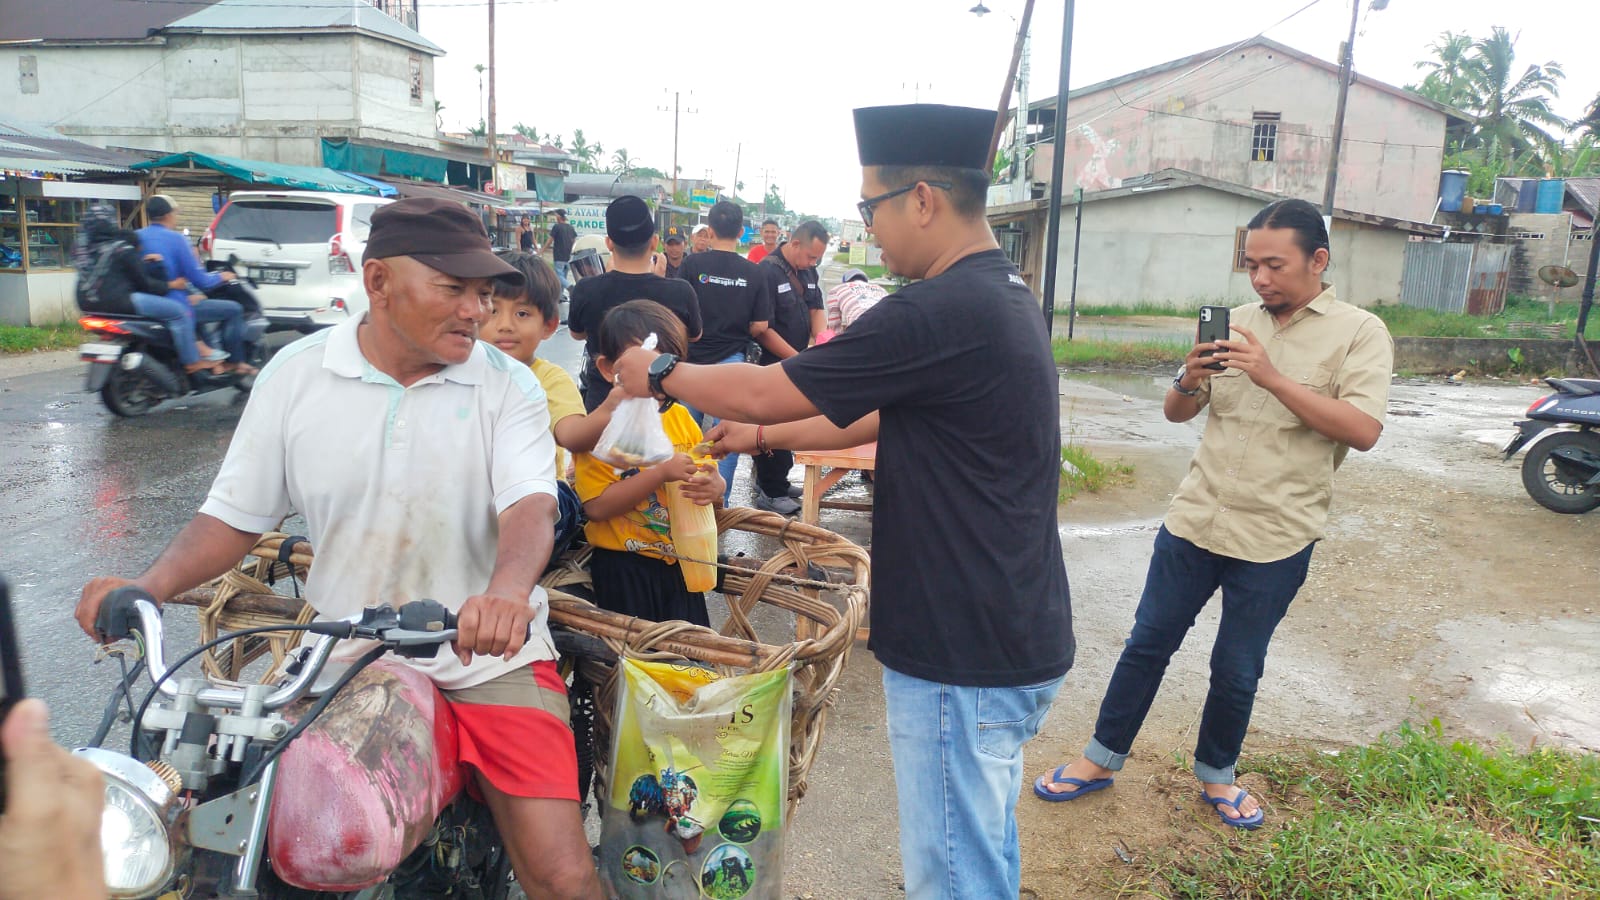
{"x": 1441, "y": 590}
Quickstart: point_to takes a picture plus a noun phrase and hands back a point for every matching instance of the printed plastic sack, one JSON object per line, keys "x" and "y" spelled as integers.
{"x": 699, "y": 773}
{"x": 634, "y": 436}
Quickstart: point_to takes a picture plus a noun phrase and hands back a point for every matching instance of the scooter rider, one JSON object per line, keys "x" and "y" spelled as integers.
{"x": 423, "y": 463}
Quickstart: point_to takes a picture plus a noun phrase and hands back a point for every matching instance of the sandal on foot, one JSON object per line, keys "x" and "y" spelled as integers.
{"x": 244, "y": 370}
{"x": 1083, "y": 787}
{"x": 1249, "y": 823}
{"x": 203, "y": 367}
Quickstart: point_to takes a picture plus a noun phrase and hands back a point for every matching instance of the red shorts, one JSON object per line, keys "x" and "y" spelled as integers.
{"x": 516, "y": 731}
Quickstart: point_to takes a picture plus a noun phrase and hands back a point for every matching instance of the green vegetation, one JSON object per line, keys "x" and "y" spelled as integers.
{"x": 1114, "y": 353}
{"x": 1142, "y": 308}
{"x": 873, "y": 272}
{"x": 1521, "y": 317}
{"x": 1412, "y": 815}
{"x": 1091, "y": 475}
{"x": 26, "y": 338}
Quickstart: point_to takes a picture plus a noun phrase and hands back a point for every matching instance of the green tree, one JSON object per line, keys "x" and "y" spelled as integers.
{"x": 1591, "y": 121}
{"x": 479, "y": 130}
{"x": 621, "y": 162}
{"x": 1513, "y": 111}
{"x": 1449, "y": 80}
{"x": 527, "y": 131}
{"x": 774, "y": 201}
{"x": 585, "y": 152}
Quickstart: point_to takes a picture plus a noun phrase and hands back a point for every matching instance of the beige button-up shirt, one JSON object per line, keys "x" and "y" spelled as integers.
{"x": 1259, "y": 485}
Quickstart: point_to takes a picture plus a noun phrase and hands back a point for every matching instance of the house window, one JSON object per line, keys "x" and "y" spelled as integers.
{"x": 1579, "y": 236}
{"x": 416, "y": 79}
{"x": 1526, "y": 235}
{"x": 1264, "y": 137}
{"x": 1238, "y": 250}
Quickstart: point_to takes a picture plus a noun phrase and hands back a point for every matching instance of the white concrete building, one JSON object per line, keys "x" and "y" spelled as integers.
{"x": 255, "y": 79}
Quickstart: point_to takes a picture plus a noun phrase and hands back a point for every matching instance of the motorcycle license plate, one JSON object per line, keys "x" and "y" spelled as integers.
{"x": 105, "y": 352}
{"x": 272, "y": 275}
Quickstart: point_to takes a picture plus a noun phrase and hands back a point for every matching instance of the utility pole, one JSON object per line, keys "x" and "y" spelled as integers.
{"x": 494, "y": 156}
{"x": 733, "y": 189}
{"x": 1058, "y": 161}
{"x": 766, "y": 181}
{"x": 1346, "y": 74}
{"x": 1016, "y": 75}
{"x": 676, "y": 110}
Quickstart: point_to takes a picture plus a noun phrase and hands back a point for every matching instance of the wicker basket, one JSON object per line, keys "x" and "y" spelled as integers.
{"x": 818, "y": 578}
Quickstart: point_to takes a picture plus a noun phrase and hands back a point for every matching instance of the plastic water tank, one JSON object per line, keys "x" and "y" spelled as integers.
{"x": 1551, "y": 192}
{"x": 1452, "y": 187}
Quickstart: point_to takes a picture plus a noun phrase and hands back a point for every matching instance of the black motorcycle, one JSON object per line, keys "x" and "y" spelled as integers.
{"x": 134, "y": 365}
{"x": 1562, "y": 470}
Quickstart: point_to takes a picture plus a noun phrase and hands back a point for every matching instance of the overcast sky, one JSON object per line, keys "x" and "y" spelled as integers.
{"x": 781, "y": 78}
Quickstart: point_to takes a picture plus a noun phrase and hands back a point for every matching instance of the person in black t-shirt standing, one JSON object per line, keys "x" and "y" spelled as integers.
{"x": 798, "y": 316}
{"x": 735, "y": 305}
{"x": 525, "y": 235}
{"x": 562, "y": 237}
{"x": 953, "y": 377}
{"x": 631, "y": 236}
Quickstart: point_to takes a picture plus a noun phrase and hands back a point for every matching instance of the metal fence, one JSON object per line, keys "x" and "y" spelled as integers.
{"x": 1456, "y": 277}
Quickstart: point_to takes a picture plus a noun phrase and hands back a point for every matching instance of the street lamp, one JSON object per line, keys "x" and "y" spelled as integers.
{"x": 1019, "y": 145}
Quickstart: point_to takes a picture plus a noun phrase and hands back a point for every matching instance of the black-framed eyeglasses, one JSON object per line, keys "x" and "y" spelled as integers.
{"x": 868, "y": 205}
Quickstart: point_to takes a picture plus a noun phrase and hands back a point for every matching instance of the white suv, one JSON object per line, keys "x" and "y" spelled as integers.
{"x": 302, "y": 249}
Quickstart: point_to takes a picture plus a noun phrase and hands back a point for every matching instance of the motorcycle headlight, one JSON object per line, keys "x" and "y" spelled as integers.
{"x": 133, "y": 827}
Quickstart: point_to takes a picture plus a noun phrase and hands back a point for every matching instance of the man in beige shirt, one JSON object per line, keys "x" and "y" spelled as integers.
{"x": 1309, "y": 380}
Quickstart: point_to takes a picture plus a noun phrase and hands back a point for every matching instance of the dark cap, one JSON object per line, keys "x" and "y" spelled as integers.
{"x": 158, "y": 206}
{"x": 628, "y": 221}
{"x": 442, "y": 234}
{"x": 674, "y": 236}
{"x": 853, "y": 275}
{"x": 561, "y": 214}
{"x": 924, "y": 134}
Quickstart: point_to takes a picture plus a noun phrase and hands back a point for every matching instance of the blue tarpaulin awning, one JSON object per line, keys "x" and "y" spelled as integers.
{"x": 305, "y": 178}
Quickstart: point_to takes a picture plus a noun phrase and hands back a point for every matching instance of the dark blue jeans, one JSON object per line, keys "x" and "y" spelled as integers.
{"x": 1182, "y": 579}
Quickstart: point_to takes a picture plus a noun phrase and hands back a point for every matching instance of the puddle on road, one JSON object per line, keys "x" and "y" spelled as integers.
{"x": 1120, "y": 529}
{"x": 1535, "y": 678}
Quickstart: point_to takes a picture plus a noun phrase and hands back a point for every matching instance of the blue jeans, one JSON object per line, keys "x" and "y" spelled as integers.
{"x": 1182, "y": 579}
{"x": 728, "y": 466}
{"x": 176, "y": 317}
{"x": 561, "y": 272}
{"x": 957, "y": 770}
{"x": 231, "y": 315}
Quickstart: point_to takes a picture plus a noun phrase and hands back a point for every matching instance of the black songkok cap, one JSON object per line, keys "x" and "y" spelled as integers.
{"x": 924, "y": 134}
{"x": 628, "y": 221}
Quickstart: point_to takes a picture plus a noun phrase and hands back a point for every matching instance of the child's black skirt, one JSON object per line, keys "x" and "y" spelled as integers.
{"x": 643, "y": 586}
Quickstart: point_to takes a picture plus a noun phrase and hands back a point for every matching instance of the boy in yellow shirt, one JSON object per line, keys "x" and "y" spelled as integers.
{"x": 633, "y": 562}
{"x": 524, "y": 317}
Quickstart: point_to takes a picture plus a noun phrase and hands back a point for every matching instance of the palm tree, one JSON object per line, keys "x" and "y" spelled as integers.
{"x": 1591, "y": 122}
{"x": 1512, "y": 112}
{"x": 582, "y": 150}
{"x": 527, "y": 131}
{"x": 621, "y": 162}
{"x": 1449, "y": 80}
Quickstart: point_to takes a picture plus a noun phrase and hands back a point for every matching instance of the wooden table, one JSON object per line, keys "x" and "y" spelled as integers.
{"x": 838, "y": 462}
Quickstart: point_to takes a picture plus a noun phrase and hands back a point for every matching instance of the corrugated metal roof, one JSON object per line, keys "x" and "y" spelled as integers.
{"x": 294, "y": 14}
{"x": 89, "y": 20}
{"x": 27, "y": 147}
{"x": 1587, "y": 192}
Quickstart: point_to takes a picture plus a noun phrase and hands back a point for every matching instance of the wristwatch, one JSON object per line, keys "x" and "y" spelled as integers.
{"x": 660, "y": 368}
{"x": 1177, "y": 383}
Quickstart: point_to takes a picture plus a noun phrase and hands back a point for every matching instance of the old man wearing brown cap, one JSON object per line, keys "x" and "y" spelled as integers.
{"x": 953, "y": 377}
{"x": 422, "y": 462}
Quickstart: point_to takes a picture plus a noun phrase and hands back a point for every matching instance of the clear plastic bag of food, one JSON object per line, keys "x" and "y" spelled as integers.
{"x": 634, "y": 436}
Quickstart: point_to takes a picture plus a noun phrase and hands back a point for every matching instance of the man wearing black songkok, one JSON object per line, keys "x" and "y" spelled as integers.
{"x": 954, "y": 378}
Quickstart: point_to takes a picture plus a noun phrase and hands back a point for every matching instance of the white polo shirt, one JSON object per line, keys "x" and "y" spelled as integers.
{"x": 401, "y": 488}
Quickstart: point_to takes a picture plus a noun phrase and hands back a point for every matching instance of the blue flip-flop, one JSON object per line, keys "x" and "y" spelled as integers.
{"x": 1249, "y": 823}
{"x": 1083, "y": 787}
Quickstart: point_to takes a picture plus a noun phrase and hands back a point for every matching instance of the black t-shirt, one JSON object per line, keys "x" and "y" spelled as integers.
{"x": 593, "y": 297}
{"x": 525, "y": 241}
{"x": 562, "y": 237}
{"x": 968, "y": 586}
{"x": 791, "y": 305}
{"x": 733, "y": 293}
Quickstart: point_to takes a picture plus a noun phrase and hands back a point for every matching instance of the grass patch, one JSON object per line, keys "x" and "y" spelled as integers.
{"x": 1118, "y": 353}
{"x": 1520, "y": 316}
{"x": 1142, "y": 308}
{"x": 1412, "y": 815}
{"x": 28, "y": 338}
{"x": 873, "y": 272}
{"x": 1088, "y": 473}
